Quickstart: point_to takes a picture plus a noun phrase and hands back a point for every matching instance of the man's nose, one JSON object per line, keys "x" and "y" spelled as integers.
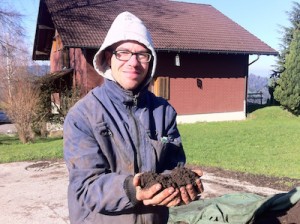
{"x": 133, "y": 60}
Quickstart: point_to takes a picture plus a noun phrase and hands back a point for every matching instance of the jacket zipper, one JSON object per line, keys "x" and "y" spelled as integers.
{"x": 137, "y": 136}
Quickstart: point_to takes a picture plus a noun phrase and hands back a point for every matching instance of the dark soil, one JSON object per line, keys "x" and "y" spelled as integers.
{"x": 180, "y": 176}
{"x": 278, "y": 183}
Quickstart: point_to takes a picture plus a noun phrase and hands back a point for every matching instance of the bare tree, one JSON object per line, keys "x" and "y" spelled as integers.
{"x": 19, "y": 96}
{"x": 11, "y": 39}
{"x": 21, "y": 107}
{"x": 13, "y": 59}
{"x": 10, "y": 22}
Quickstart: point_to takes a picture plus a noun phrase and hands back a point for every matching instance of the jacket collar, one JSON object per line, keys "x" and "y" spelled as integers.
{"x": 121, "y": 96}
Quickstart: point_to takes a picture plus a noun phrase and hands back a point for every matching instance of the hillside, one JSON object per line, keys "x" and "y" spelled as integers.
{"x": 258, "y": 84}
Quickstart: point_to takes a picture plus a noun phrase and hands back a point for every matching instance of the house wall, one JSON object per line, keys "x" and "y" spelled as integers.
{"x": 78, "y": 59}
{"x": 81, "y": 61}
{"x": 93, "y": 78}
{"x": 206, "y": 83}
{"x": 56, "y": 62}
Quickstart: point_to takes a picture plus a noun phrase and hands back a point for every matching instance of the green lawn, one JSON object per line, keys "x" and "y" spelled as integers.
{"x": 268, "y": 142}
{"x": 11, "y": 150}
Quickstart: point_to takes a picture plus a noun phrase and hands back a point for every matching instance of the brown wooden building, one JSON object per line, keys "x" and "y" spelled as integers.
{"x": 203, "y": 56}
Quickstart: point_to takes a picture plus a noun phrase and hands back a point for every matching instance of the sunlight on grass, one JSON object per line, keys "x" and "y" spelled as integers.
{"x": 266, "y": 143}
{"x": 11, "y": 150}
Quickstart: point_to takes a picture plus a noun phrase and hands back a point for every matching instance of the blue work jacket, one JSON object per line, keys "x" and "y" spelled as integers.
{"x": 112, "y": 134}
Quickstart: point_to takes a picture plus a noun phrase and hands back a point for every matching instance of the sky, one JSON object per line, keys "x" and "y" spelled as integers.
{"x": 262, "y": 18}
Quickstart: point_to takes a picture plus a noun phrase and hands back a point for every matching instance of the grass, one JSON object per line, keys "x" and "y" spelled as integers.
{"x": 11, "y": 150}
{"x": 268, "y": 143}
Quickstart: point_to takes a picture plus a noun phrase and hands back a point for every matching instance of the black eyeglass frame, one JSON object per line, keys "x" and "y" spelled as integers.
{"x": 146, "y": 54}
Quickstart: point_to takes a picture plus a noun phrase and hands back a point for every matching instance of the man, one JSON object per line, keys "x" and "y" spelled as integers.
{"x": 120, "y": 130}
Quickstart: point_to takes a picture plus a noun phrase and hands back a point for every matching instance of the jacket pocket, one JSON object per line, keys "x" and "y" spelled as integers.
{"x": 159, "y": 149}
{"x": 168, "y": 155}
{"x": 112, "y": 145}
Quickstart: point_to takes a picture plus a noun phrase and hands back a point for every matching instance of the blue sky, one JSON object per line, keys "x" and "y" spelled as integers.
{"x": 260, "y": 17}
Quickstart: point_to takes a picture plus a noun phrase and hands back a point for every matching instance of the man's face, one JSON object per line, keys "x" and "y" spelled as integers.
{"x": 129, "y": 74}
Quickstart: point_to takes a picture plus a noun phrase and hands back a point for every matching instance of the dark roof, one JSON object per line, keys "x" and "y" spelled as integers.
{"x": 50, "y": 77}
{"x": 174, "y": 26}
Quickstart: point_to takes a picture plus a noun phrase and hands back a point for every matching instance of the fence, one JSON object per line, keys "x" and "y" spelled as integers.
{"x": 255, "y": 98}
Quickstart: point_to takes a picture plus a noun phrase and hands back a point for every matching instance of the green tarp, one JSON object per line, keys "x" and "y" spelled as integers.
{"x": 235, "y": 208}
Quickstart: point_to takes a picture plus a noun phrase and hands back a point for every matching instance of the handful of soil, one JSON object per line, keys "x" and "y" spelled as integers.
{"x": 180, "y": 176}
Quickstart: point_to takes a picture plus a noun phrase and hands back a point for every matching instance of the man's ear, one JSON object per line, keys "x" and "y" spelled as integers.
{"x": 108, "y": 56}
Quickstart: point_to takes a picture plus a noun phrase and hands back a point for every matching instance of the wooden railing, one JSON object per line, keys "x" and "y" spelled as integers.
{"x": 255, "y": 98}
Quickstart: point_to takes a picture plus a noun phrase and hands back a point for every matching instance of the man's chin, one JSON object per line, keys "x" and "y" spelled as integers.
{"x": 130, "y": 86}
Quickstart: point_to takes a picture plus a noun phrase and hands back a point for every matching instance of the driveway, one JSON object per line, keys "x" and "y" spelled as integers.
{"x": 7, "y": 129}
{"x": 36, "y": 192}
{"x": 33, "y": 193}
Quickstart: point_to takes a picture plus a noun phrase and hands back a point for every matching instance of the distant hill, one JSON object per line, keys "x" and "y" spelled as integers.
{"x": 39, "y": 70}
{"x": 259, "y": 84}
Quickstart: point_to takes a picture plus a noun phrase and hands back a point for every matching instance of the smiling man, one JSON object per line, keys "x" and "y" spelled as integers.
{"x": 120, "y": 130}
{"x": 130, "y": 64}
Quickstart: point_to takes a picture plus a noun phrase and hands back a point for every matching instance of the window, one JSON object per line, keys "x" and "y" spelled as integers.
{"x": 162, "y": 87}
{"x": 57, "y": 44}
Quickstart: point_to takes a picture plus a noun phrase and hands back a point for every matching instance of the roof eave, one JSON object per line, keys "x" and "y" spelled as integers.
{"x": 269, "y": 53}
{"x": 178, "y": 50}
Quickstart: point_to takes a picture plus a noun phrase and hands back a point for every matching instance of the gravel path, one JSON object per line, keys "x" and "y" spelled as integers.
{"x": 7, "y": 129}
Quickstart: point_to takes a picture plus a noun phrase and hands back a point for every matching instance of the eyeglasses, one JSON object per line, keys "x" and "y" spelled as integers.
{"x": 142, "y": 57}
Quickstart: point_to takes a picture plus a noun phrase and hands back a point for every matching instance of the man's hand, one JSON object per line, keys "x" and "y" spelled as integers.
{"x": 152, "y": 196}
{"x": 170, "y": 196}
{"x": 189, "y": 193}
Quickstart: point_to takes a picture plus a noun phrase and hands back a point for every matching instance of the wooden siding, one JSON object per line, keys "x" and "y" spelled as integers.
{"x": 205, "y": 83}
{"x": 84, "y": 74}
{"x": 93, "y": 78}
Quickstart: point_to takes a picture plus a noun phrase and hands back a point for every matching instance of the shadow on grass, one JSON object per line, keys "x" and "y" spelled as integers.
{"x": 253, "y": 107}
{"x": 46, "y": 140}
{"x": 11, "y": 140}
{"x": 8, "y": 140}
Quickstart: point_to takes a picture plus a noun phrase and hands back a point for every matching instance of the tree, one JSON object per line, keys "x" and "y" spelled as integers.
{"x": 11, "y": 39}
{"x": 21, "y": 107}
{"x": 287, "y": 91}
{"x": 19, "y": 96}
{"x": 287, "y": 35}
{"x": 287, "y": 82}
{"x": 10, "y": 22}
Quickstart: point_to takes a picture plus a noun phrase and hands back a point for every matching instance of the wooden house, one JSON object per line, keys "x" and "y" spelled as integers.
{"x": 203, "y": 56}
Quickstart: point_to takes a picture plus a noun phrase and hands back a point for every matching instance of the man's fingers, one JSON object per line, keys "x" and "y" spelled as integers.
{"x": 192, "y": 192}
{"x": 160, "y": 197}
{"x": 172, "y": 200}
{"x": 199, "y": 185}
{"x": 136, "y": 179}
{"x": 198, "y": 172}
{"x": 184, "y": 195}
{"x": 144, "y": 194}
{"x": 176, "y": 201}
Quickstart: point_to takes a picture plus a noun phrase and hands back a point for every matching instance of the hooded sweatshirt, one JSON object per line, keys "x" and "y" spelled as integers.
{"x": 111, "y": 134}
{"x": 126, "y": 26}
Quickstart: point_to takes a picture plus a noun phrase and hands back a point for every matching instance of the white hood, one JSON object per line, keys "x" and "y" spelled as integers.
{"x": 126, "y": 26}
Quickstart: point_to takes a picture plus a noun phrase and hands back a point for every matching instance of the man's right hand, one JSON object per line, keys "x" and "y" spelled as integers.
{"x": 154, "y": 196}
